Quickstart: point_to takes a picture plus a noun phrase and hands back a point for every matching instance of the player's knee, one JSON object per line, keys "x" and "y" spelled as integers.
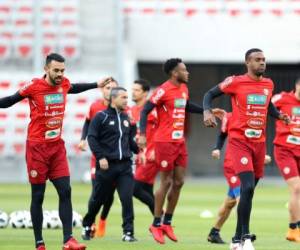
{"x": 231, "y": 203}
{"x": 37, "y": 197}
{"x": 165, "y": 184}
{"x": 248, "y": 189}
{"x": 177, "y": 184}
{"x": 296, "y": 189}
{"x": 64, "y": 193}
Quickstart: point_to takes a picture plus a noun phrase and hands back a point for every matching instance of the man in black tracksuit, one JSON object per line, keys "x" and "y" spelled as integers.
{"x": 111, "y": 139}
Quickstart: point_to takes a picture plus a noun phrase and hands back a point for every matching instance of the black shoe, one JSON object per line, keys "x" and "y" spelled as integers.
{"x": 252, "y": 237}
{"x": 88, "y": 233}
{"x": 128, "y": 237}
{"x": 215, "y": 238}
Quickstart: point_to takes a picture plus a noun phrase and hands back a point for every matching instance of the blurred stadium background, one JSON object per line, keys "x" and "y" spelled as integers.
{"x": 130, "y": 39}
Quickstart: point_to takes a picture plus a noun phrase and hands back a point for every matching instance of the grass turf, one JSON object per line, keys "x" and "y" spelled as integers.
{"x": 269, "y": 219}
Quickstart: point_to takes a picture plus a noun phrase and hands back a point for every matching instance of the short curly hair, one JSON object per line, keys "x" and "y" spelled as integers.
{"x": 170, "y": 64}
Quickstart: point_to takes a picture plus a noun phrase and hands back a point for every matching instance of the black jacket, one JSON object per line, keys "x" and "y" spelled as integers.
{"x": 111, "y": 136}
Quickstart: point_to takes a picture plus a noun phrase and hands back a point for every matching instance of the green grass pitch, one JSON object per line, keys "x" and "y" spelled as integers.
{"x": 269, "y": 219}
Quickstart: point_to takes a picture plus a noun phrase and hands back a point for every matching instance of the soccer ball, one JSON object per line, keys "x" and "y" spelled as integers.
{"x": 47, "y": 219}
{"x": 77, "y": 219}
{"x": 27, "y": 219}
{"x": 55, "y": 220}
{"x": 3, "y": 219}
{"x": 17, "y": 219}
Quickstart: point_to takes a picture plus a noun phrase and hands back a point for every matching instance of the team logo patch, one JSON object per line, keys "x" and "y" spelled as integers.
{"x": 60, "y": 90}
{"x": 244, "y": 160}
{"x": 33, "y": 173}
{"x": 184, "y": 95}
{"x": 126, "y": 123}
{"x": 233, "y": 179}
{"x": 266, "y": 91}
{"x": 164, "y": 164}
{"x": 286, "y": 170}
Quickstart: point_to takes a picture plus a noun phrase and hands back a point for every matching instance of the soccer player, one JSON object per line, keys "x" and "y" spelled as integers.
{"x": 97, "y": 106}
{"x": 45, "y": 150}
{"x": 233, "y": 181}
{"x": 111, "y": 139}
{"x": 287, "y": 154}
{"x": 171, "y": 100}
{"x": 146, "y": 169}
{"x": 250, "y": 98}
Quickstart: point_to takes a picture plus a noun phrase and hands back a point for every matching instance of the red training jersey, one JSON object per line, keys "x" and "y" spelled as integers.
{"x": 250, "y": 101}
{"x": 225, "y": 122}
{"x": 47, "y": 107}
{"x": 287, "y": 135}
{"x": 170, "y": 101}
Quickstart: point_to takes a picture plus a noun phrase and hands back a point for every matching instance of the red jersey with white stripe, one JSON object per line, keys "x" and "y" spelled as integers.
{"x": 47, "y": 107}
{"x": 170, "y": 101}
{"x": 250, "y": 101}
{"x": 288, "y": 135}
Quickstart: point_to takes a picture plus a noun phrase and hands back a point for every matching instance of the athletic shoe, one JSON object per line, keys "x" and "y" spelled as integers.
{"x": 215, "y": 238}
{"x": 128, "y": 237}
{"x": 235, "y": 246}
{"x": 73, "y": 244}
{"x": 168, "y": 230}
{"x": 41, "y": 247}
{"x": 157, "y": 234}
{"x": 293, "y": 235}
{"x": 88, "y": 232}
{"x": 248, "y": 245}
{"x": 100, "y": 230}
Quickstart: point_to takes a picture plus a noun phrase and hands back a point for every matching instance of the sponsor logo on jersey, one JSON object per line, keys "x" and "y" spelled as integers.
{"x": 256, "y": 99}
{"x": 256, "y": 123}
{"x": 51, "y": 134}
{"x": 179, "y": 103}
{"x": 296, "y": 111}
{"x": 177, "y": 134}
{"x": 54, "y": 122}
{"x": 54, "y": 113}
{"x": 253, "y": 133}
{"x": 292, "y": 139}
{"x": 255, "y": 113}
{"x": 178, "y": 124}
{"x": 53, "y": 99}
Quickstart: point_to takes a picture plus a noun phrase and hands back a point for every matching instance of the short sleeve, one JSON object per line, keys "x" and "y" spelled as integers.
{"x": 276, "y": 100}
{"x": 27, "y": 90}
{"x": 228, "y": 86}
{"x": 157, "y": 96}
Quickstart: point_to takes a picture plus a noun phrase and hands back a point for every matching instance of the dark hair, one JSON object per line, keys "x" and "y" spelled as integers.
{"x": 114, "y": 80}
{"x": 171, "y": 64}
{"x": 54, "y": 57}
{"x": 115, "y": 91}
{"x": 250, "y": 51}
{"x": 144, "y": 84}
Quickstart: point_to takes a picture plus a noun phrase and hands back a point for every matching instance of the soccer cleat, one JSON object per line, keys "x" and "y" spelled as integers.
{"x": 128, "y": 237}
{"x": 100, "y": 230}
{"x": 88, "y": 232}
{"x": 293, "y": 235}
{"x": 248, "y": 245}
{"x": 215, "y": 238}
{"x": 168, "y": 230}
{"x": 235, "y": 246}
{"x": 41, "y": 247}
{"x": 157, "y": 234}
{"x": 73, "y": 244}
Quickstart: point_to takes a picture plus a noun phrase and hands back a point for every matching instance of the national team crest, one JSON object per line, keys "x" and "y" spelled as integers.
{"x": 266, "y": 91}
{"x": 184, "y": 95}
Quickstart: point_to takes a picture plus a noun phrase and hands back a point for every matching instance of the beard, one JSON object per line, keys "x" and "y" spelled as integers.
{"x": 180, "y": 79}
{"x": 53, "y": 80}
